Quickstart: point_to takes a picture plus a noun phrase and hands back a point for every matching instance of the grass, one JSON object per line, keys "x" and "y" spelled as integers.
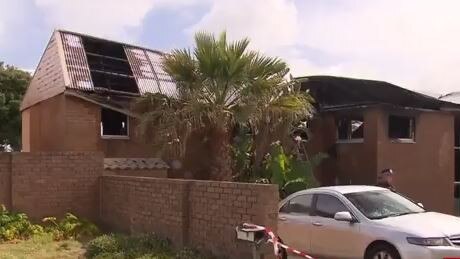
{"x": 42, "y": 247}
{"x": 112, "y": 246}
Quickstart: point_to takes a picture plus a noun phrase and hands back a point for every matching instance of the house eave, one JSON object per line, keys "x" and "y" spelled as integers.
{"x": 107, "y": 105}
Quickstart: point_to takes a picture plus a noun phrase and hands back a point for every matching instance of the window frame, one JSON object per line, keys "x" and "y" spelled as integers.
{"x": 121, "y": 137}
{"x": 412, "y": 129}
{"x": 349, "y": 120}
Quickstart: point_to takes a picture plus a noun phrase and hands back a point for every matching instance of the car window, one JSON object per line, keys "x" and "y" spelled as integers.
{"x": 328, "y": 205}
{"x": 382, "y": 204}
{"x": 300, "y": 204}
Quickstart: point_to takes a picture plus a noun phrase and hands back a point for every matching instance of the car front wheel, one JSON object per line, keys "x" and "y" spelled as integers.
{"x": 382, "y": 252}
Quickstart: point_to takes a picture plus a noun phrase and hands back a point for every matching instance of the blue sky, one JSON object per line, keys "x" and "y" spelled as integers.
{"x": 413, "y": 43}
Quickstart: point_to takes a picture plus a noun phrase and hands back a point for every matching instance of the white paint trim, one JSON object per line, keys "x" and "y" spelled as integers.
{"x": 350, "y": 141}
{"x": 403, "y": 140}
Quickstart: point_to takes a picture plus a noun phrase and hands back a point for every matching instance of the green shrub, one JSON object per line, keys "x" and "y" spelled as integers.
{"x": 105, "y": 244}
{"x": 290, "y": 173}
{"x": 16, "y": 226}
{"x": 70, "y": 227}
{"x": 136, "y": 247}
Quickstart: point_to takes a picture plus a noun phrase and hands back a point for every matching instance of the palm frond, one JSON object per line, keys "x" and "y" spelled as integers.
{"x": 221, "y": 83}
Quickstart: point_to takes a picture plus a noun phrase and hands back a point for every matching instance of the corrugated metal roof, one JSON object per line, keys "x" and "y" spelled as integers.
{"x": 76, "y": 62}
{"x": 145, "y": 65}
{"x": 451, "y": 97}
{"x": 134, "y": 163}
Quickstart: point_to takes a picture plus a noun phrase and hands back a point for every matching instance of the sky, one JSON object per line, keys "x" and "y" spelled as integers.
{"x": 411, "y": 43}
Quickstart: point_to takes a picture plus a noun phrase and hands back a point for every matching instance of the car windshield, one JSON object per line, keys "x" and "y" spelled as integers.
{"x": 382, "y": 204}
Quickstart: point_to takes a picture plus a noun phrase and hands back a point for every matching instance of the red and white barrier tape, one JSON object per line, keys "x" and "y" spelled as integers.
{"x": 274, "y": 240}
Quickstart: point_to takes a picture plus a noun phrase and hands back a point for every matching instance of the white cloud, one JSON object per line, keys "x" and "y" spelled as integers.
{"x": 105, "y": 18}
{"x": 9, "y": 12}
{"x": 116, "y": 19}
{"x": 269, "y": 23}
{"x": 414, "y": 43}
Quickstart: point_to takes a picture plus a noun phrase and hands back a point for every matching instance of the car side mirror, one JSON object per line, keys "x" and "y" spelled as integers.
{"x": 420, "y": 204}
{"x": 344, "y": 216}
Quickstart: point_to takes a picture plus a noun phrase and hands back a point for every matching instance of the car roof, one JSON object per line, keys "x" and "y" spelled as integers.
{"x": 343, "y": 189}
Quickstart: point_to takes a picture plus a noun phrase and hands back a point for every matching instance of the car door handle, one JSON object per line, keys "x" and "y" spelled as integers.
{"x": 317, "y": 224}
{"x": 282, "y": 218}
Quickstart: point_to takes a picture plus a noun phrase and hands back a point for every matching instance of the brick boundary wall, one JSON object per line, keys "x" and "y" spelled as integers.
{"x": 199, "y": 214}
{"x": 5, "y": 179}
{"x": 51, "y": 183}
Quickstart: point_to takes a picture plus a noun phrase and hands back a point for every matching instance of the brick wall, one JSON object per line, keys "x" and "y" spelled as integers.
{"x": 138, "y": 204}
{"x": 5, "y": 179}
{"x": 200, "y": 214}
{"x": 45, "y": 184}
{"x": 216, "y": 208}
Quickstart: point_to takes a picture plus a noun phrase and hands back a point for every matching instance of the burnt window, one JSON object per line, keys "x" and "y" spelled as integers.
{"x": 350, "y": 128}
{"x": 401, "y": 127}
{"x": 113, "y": 123}
{"x": 109, "y": 66}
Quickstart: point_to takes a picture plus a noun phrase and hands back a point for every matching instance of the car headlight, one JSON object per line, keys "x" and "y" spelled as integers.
{"x": 432, "y": 241}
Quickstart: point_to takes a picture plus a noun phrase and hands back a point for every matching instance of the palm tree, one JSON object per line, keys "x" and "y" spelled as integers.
{"x": 221, "y": 84}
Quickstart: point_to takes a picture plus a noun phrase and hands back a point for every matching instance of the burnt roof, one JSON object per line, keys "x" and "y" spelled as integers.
{"x": 119, "y": 103}
{"x": 453, "y": 97}
{"x": 335, "y": 93}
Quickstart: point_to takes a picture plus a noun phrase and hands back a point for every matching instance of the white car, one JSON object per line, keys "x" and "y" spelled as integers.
{"x": 365, "y": 222}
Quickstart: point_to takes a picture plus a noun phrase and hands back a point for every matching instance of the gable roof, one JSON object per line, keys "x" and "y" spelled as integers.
{"x": 335, "y": 93}
{"x": 90, "y": 65}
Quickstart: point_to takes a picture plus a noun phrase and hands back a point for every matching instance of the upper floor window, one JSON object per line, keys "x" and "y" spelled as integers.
{"x": 350, "y": 128}
{"x": 113, "y": 124}
{"x": 401, "y": 127}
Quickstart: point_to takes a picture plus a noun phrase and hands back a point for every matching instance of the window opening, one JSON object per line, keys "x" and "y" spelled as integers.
{"x": 350, "y": 128}
{"x": 401, "y": 127}
{"x": 113, "y": 123}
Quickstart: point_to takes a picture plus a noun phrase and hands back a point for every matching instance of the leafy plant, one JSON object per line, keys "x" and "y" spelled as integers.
{"x": 16, "y": 226}
{"x": 219, "y": 85}
{"x": 70, "y": 227}
{"x": 290, "y": 173}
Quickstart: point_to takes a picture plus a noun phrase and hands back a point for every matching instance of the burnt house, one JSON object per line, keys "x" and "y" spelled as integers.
{"x": 81, "y": 94}
{"x": 366, "y": 126}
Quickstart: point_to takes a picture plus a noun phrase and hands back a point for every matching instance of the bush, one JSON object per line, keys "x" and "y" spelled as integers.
{"x": 16, "y": 226}
{"x": 70, "y": 227}
{"x": 102, "y": 245}
{"x": 138, "y": 247}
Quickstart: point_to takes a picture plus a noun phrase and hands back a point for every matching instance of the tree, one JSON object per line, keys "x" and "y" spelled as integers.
{"x": 221, "y": 84}
{"x": 13, "y": 84}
